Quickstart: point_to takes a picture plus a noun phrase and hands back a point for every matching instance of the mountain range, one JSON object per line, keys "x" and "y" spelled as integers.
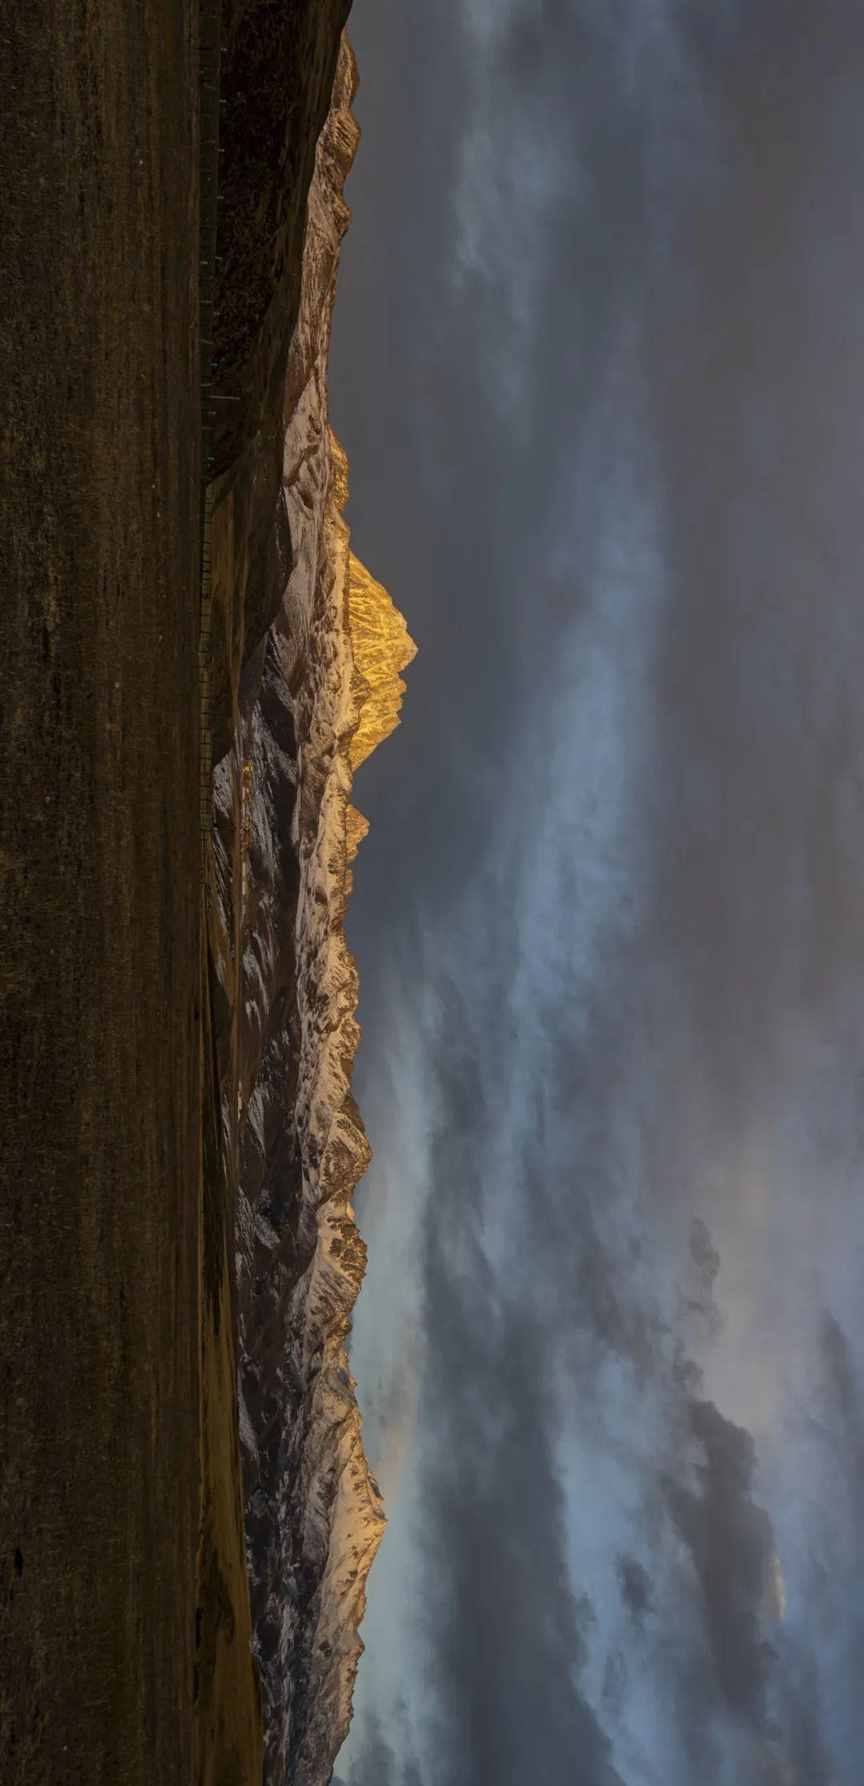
{"x": 299, "y": 703}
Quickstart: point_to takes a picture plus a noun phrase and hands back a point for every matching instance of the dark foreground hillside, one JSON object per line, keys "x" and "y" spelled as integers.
{"x": 99, "y": 881}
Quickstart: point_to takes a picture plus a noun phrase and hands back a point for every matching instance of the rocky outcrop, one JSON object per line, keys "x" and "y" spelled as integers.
{"x": 308, "y": 700}
{"x": 381, "y": 647}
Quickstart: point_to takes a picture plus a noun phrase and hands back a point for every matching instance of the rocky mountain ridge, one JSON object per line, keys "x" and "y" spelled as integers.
{"x": 308, "y": 701}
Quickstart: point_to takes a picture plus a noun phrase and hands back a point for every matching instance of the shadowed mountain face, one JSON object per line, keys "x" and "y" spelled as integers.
{"x": 307, "y": 700}
{"x": 277, "y": 71}
{"x": 278, "y": 64}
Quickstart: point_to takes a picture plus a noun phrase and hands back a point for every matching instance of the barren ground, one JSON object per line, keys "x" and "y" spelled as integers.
{"x": 100, "y": 1085}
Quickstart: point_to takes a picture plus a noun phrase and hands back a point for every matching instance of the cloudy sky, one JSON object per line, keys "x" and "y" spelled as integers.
{"x": 599, "y": 367}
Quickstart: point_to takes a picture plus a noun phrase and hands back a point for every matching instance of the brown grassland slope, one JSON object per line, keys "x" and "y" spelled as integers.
{"x": 100, "y": 1089}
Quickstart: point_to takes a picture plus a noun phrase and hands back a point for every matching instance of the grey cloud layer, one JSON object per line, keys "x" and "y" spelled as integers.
{"x": 605, "y": 451}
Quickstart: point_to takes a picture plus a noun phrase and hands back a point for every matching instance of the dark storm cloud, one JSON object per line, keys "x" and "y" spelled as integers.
{"x": 506, "y": 1638}
{"x": 563, "y": 209}
{"x": 492, "y": 1513}
{"x": 636, "y": 1590}
{"x": 731, "y": 1546}
{"x": 681, "y": 179}
{"x": 700, "y": 1300}
{"x": 755, "y": 354}
{"x": 705, "y": 134}
{"x": 509, "y": 1636}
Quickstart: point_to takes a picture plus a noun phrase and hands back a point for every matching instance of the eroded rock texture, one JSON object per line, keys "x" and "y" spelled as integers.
{"x": 308, "y": 696}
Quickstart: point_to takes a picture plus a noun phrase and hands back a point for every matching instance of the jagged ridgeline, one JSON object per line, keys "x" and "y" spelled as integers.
{"x": 312, "y": 650}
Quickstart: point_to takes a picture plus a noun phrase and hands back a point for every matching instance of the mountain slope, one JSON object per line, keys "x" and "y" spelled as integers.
{"x": 308, "y": 700}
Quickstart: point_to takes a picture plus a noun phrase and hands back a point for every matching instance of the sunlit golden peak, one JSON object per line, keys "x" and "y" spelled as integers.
{"x": 382, "y": 646}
